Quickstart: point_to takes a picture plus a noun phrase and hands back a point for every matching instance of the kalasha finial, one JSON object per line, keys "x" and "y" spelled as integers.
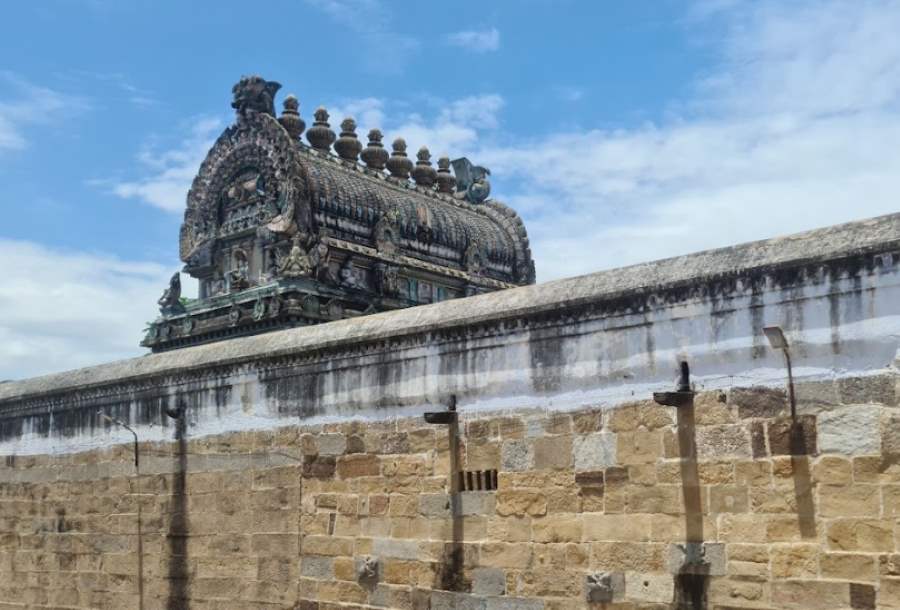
{"x": 320, "y": 135}
{"x": 423, "y": 173}
{"x": 399, "y": 164}
{"x": 348, "y": 146}
{"x": 374, "y": 155}
{"x": 290, "y": 117}
{"x": 446, "y": 183}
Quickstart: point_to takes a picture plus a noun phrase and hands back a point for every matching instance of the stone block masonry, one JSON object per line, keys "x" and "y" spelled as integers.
{"x": 262, "y": 530}
{"x": 302, "y": 474}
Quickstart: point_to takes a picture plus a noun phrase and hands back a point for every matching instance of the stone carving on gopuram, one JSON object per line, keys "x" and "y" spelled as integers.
{"x": 280, "y": 233}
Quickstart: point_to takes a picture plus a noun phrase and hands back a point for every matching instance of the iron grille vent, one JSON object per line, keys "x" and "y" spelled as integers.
{"x": 478, "y": 480}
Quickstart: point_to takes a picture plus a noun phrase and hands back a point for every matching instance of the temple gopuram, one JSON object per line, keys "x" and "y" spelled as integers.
{"x": 282, "y": 233}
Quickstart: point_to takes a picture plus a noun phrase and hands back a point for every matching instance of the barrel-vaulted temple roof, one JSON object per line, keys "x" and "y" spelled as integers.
{"x": 281, "y": 232}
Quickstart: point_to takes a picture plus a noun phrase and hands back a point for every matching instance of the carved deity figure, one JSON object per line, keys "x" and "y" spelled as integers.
{"x": 320, "y": 259}
{"x": 254, "y": 94}
{"x": 239, "y": 276}
{"x": 348, "y": 277}
{"x": 170, "y": 301}
{"x": 388, "y": 279}
{"x": 472, "y": 183}
{"x": 296, "y": 263}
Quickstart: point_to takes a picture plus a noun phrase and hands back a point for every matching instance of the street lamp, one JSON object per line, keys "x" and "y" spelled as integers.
{"x": 113, "y": 420}
{"x": 778, "y": 341}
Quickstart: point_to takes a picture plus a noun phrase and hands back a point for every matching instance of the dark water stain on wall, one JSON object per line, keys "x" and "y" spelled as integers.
{"x": 545, "y": 348}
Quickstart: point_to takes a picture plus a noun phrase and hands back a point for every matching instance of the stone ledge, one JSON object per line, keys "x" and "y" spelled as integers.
{"x": 835, "y": 243}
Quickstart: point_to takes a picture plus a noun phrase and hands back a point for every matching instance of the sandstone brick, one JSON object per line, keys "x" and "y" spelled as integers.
{"x": 642, "y": 474}
{"x": 849, "y": 500}
{"x": 665, "y": 499}
{"x": 557, "y": 528}
{"x": 866, "y": 535}
{"x": 644, "y": 587}
{"x": 505, "y": 555}
{"x": 644, "y": 557}
{"x": 889, "y": 593}
{"x": 634, "y": 528}
{"x": 331, "y": 444}
{"x": 666, "y": 528}
{"x": 553, "y": 452}
{"x": 488, "y": 581}
{"x": 722, "y": 441}
{"x": 482, "y": 455}
{"x": 357, "y": 465}
{"x": 639, "y": 447}
{"x": 434, "y": 505}
{"x": 521, "y": 502}
{"x": 759, "y": 402}
{"x": 753, "y": 473}
{"x": 743, "y": 528}
{"x": 795, "y": 561}
{"x": 587, "y": 422}
{"x": 327, "y": 545}
{"x": 476, "y": 503}
{"x": 878, "y": 389}
{"x": 317, "y": 566}
{"x": 710, "y": 409}
{"x": 848, "y": 566}
{"x": 796, "y": 594}
{"x": 716, "y": 472}
{"x": 728, "y": 499}
{"x": 759, "y": 448}
{"x": 787, "y": 437}
{"x": 832, "y": 470}
{"x": 877, "y": 469}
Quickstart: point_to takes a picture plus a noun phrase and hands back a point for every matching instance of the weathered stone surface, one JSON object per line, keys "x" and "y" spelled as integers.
{"x": 594, "y": 451}
{"x": 722, "y": 441}
{"x": 868, "y": 389}
{"x": 759, "y": 402}
{"x": 332, "y": 444}
{"x": 850, "y": 430}
{"x": 488, "y": 581}
{"x": 646, "y": 587}
{"x": 787, "y": 437}
{"x": 434, "y": 505}
{"x": 553, "y": 452}
{"x": 696, "y": 558}
{"x": 318, "y": 567}
{"x": 516, "y": 456}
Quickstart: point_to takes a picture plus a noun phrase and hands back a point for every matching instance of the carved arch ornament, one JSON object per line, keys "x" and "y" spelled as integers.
{"x": 259, "y": 142}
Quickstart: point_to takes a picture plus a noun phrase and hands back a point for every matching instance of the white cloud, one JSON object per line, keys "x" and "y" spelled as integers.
{"x": 171, "y": 171}
{"x": 63, "y": 309}
{"x": 479, "y": 41}
{"x": 795, "y": 129}
{"x": 28, "y": 104}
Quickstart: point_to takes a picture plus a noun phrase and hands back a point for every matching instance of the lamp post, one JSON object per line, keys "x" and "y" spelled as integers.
{"x": 777, "y": 340}
{"x": 113, "y": 420}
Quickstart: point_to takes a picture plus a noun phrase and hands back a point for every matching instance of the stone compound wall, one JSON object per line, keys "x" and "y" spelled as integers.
{"x": 284, "y": 518}
{"x": 302, "y": 475}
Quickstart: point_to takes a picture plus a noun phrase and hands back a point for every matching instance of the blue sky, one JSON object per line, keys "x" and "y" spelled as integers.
{"x": 621, "y": 131}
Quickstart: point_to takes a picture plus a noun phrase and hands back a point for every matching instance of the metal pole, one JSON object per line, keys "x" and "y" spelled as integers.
{"x": 791, "y": 397}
